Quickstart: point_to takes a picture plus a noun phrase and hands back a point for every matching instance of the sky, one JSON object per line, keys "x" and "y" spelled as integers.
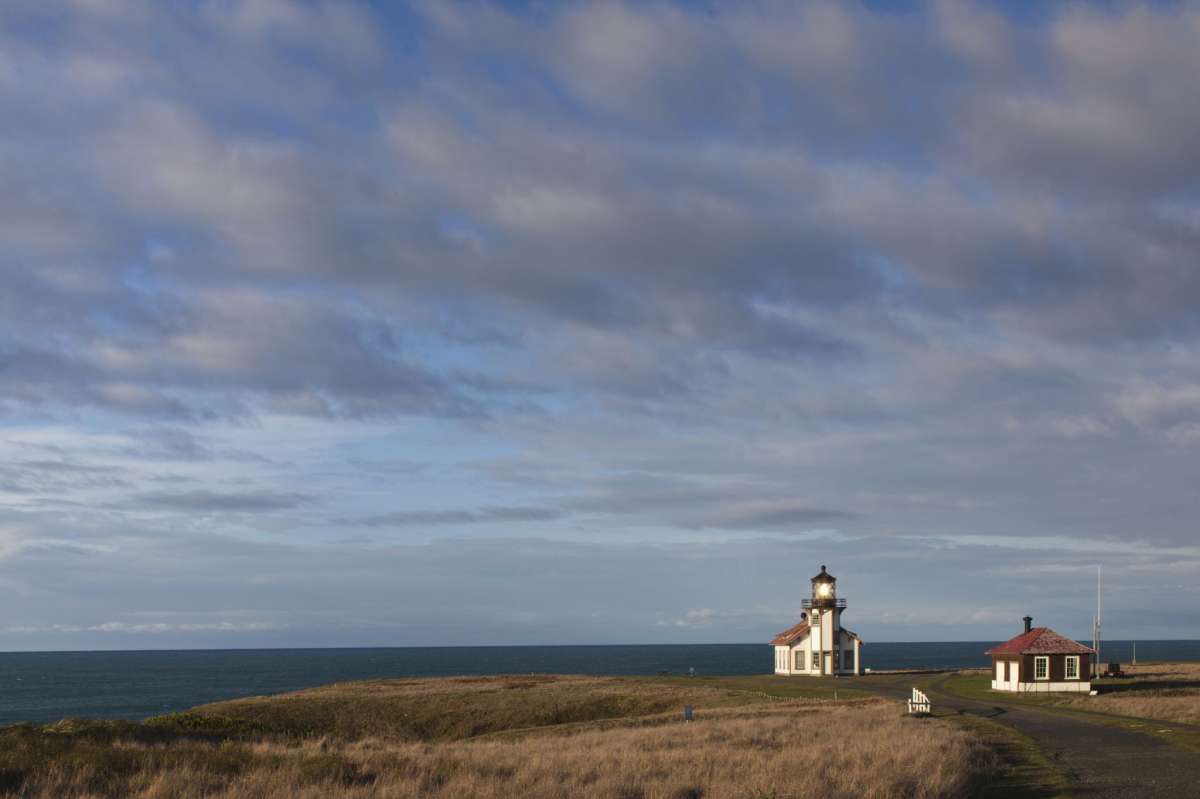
{"x": 440, "y": 323}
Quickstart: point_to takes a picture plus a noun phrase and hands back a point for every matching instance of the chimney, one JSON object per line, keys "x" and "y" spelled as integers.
{"x": 1028, "y": 623}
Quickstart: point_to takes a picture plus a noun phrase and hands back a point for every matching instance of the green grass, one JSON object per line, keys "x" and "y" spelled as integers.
{"x": 771, "y": 685}
{"x": 451, "y": 708}
{"x": 460, "y": 708}
{"x": 975, "y": 686}
{"x": 1027, "y": 772}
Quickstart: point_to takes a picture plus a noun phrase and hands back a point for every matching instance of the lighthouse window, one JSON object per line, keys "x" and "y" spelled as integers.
{"x": 816, "y": 660}
{"x": 1073, "y": 667}
{"x": 1041, "y": 668}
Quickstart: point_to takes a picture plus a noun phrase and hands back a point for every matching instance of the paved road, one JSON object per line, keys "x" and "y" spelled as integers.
{"x": 1100, "y": 761}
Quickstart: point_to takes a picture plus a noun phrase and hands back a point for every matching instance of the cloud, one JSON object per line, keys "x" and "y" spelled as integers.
{"x": 154, "y": 628}
{"x": 1092, "y": 125}
{"x": 201, "y": 501}
{"x": 697, "y": 617}
{"x": 59, "y": 477}
{"x": 341, "y": 31}
{"x": 775, "y": 516}
{"x": 212, "y": 590}
{"x": 647, "y": 274}
{"x": 1148, "y": 403}
{"x": 486, "y": 515}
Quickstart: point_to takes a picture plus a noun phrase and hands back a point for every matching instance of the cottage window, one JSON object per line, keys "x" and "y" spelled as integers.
{"x": 799, "y": 659}
{"x": 1073, "y": 667}
{"x": 1041, "y": 668}
{"x": 816, "y": 660}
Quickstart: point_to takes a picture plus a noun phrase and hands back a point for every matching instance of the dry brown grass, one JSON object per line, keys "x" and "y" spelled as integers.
{"x": 1163, "y": 691}
{"x": 1160, "y": 672}
{"x": 1180, "y": 705}
{"x": 778, "y": 750}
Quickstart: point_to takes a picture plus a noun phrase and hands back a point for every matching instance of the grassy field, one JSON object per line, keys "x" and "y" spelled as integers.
{"x": 1162, "y": 700}
{"x": 516, "y": 736}
{"x": 1168, "y": 692}
{"x": 1024, "y": 772}
{"x": 771, "y": 685}
{"x": 451, "y": 708}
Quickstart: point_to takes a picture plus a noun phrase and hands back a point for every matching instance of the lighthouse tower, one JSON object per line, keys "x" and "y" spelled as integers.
{"x": 819, "y": 645}
{"x": 825, "y": 620}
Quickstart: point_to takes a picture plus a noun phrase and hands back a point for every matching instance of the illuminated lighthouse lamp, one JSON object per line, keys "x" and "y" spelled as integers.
{"x": 824, "y": 589}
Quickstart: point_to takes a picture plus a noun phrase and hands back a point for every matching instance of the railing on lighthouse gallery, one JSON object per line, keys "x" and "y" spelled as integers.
{"x": 809, "y": 604}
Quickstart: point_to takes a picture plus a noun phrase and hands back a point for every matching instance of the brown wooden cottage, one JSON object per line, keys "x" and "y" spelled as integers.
{"x": 1040, "y": 660}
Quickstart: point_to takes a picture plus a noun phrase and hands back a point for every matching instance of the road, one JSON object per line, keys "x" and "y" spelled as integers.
{"x": 1099, "y": 761}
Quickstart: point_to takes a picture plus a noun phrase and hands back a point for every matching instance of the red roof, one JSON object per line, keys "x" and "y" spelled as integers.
{"x": 791, "y": 634}
{"x": 1040, "y": 641}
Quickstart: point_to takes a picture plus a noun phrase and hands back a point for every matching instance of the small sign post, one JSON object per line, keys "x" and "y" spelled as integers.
{"x": 687, "y": 712}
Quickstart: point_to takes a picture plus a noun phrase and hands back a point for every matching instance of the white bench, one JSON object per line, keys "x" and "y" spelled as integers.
{"x": 919, "y": 703}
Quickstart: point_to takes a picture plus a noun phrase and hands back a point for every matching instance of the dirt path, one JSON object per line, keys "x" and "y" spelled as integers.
{"x": 1099, "y": 761}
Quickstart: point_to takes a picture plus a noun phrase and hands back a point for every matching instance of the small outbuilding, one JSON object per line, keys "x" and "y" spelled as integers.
{"x": 1040, "y": 660}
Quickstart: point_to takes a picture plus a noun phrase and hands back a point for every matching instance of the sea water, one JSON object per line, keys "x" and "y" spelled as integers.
{"x": 47, "y": 686}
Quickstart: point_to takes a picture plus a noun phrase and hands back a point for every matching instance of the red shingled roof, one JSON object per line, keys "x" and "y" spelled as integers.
{"x": 791, "y": 634}
{"x": 1040, "y": 641}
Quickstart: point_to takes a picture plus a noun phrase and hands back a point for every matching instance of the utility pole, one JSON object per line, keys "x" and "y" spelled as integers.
{"x": 1096, "y": 626}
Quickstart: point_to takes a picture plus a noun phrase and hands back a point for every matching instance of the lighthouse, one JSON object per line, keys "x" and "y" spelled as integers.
{"x": 819, "y": 644}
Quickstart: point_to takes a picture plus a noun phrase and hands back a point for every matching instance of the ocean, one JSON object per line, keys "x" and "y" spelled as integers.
{"x": 47, "y": 686}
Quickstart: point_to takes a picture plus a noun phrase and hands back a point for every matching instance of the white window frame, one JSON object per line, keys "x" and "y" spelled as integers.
{"x": 1071, "y": 671}
{"x": 1041, "y": 667}
{"x": 799, "y": 660}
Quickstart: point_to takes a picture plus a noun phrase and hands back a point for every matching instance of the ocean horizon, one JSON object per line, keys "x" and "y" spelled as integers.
{"x": 44, "y": 687}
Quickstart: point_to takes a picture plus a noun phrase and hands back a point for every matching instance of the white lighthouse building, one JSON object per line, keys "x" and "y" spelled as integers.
{"x": 819, "y": 644}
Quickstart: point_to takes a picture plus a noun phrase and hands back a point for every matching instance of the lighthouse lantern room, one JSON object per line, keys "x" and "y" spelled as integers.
{"x": 819, "y": 644}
